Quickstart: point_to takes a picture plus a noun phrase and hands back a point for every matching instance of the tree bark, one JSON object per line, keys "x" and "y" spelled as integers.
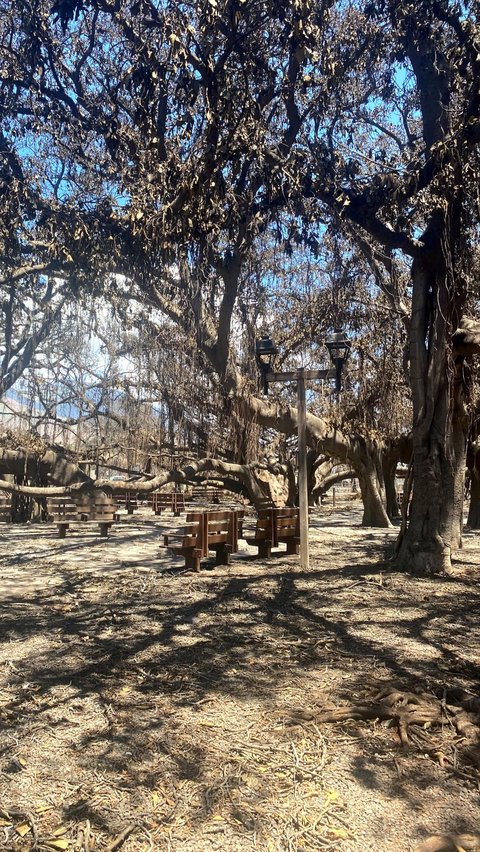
{"x": 374, "y": 511}
{"x": 439, "y": 434}
{"x": 50, "y": 467}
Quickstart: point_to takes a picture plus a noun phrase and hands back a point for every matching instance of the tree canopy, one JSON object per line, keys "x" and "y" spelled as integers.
{"x": 151, "y": 151}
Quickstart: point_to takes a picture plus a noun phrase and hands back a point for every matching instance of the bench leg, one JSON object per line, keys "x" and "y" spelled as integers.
{"x": 293, "y": 547}
{"x": 264, "y": 549}
{"x": 192, "y": 562}
{"x": 222, "y": 554}
{"x": 62, "y": 530}
{"x": 104, "y": 530}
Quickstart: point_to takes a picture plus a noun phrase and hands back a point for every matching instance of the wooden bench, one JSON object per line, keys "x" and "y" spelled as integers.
{"x": 64, "y": 511}
{"x": 172, "y": 500}
{"x": 103, "y": 512}
{"x": 100, "y": 509}
{"x": 276, "y": 525}
{"x": 128, "y": 499}
{"x": 205, "y": 494}
{"x": 264, "y": 503}
{"x": 5, "y": 509}
{"x": 205, "y": 531}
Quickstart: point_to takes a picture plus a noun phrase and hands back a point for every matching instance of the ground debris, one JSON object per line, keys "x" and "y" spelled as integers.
{"x": 451, "y": 843}
{"x": 173, "y": 719}
{"x": 418, "y": 718}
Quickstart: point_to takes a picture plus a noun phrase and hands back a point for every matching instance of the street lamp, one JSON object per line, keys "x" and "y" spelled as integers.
{"x": 265, "y": 352}
{"x": 339, "y": 348}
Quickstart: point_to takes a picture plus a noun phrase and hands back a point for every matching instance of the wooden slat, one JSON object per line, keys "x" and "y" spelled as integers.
{"x": 173, "y": 500}
{"x": 62, "y": 509}
{"x": 218, "y": 538}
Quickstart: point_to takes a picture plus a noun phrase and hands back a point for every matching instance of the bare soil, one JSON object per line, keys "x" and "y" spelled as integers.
{"x": 146, "y": 708}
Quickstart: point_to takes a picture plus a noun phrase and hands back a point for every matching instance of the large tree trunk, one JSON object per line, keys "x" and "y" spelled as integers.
{"x": 460, "y": 441}
{"x": 440, "y": 431}
{"x": 372, "y": 488}
{"x": 433, "y": 529}
{"x": 436, "y": 512}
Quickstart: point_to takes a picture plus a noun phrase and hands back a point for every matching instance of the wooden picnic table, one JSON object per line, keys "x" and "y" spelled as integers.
{"x": 128, "y": 499}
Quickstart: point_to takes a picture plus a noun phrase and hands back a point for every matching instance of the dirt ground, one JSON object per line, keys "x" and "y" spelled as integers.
{"x": 146, "y": 708}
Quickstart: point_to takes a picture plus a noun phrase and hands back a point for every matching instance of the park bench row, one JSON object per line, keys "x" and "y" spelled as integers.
{"x": 220, "y": 531}
{"x": 175, "y": 501}
{"x": 204, "y": 531}
{"x": 103, "y": 510}
{"x": 158, "y": 500}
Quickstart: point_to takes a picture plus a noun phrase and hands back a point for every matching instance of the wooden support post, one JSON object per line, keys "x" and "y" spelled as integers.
{"x": 302, "y": 469}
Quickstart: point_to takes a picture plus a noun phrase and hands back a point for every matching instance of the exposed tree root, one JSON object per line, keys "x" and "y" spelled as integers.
{"x": 451, "y": 843}
{"x": 461, "y": 713}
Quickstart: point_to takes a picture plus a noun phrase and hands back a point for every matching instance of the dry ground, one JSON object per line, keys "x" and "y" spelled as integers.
{"x": 143, "y": 709}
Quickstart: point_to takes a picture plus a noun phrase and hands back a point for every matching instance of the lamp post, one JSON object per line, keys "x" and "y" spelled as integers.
{"x": 265, "y": 351}
{"x": 339, "y": 348}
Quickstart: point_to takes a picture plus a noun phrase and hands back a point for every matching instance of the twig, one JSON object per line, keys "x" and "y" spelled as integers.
{"x": 121, "y": 838}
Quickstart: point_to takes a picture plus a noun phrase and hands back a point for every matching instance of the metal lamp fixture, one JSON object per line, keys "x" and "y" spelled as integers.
{"x": 339, "y": 348}
{"x": 265, "y": 352}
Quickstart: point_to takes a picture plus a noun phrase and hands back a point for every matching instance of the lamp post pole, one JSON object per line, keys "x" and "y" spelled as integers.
{"x": 339, "y": 348}
{"x": 300, "y": 376}
{"x": 302, "y": 469}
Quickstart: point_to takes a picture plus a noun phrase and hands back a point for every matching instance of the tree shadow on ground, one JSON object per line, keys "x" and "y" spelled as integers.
{"x": 144, "y": 650}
